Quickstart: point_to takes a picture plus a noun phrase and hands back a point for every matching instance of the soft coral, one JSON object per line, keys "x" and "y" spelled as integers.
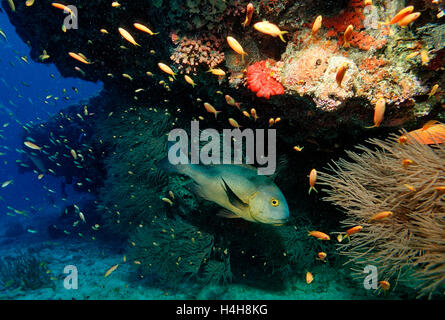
{"x": 260, "y": 80}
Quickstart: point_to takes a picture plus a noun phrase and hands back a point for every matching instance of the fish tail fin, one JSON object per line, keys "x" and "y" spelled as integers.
{"x": 156, "y": 33}
{"x": 281, "y": 36}
{"x": 238, "y": 105}
{"x": 216, "y": 113}
{"x": 310, "y": 189}
{"x": 374, "y": 126}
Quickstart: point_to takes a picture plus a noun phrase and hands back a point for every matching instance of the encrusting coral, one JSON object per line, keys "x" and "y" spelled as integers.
{"x": 193, "y": 52}
{"x": 408, "y": 181}
{"x": 260, "y": 79}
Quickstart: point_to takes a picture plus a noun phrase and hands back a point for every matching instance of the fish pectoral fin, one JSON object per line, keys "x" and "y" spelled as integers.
{"x": 227, "y": 214}
{"x": 233, "y": 198}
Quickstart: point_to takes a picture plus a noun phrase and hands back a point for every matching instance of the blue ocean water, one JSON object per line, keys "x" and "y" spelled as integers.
{"x": 27, "y": 92}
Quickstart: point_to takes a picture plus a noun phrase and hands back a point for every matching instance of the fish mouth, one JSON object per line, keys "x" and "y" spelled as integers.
{"x": 274, "y": 222}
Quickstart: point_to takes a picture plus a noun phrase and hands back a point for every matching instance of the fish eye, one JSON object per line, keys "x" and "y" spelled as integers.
{"x": 274, "y": 202}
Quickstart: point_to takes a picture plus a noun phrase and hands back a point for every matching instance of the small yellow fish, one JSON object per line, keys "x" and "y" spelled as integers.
{"x": 115, "y": 4}
{"x": 424, "y": 57}
{"x": 168, "y": 201}
{"x": 166, "y": 69}
{"x": 433, "y": 90}
{"x": 31, "y": 145}
{"x": 109, "y": 271}
{"x": 254, "y": 114}
{"x": 236, "y": 46}
{"x": 144, "y": 29}
{"x": 127, "y": 36}
{"x": 125, "y": 75}
{"x": 104, "y": 31}
{"x": 79, "y": 57}
{"x": 298, "y": 148}
{"x": 211, "y": 109}
{"x": 6, "y": 183}
{"x": 11, "y": 5}
{"x": 29, "y": 3}
{"x": 189, "y": 81}
{"x": 217, "y": 72}
{"x": 44, "y": 56}
{"x": 231, "y": 102}
{"x": 412, "y": 55}
{"x": 234, "y": 123}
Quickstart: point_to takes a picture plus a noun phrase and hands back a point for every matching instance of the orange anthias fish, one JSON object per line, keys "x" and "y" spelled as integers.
{"x": 384, "y": 284}
{"x": 78, "y": 57}
{"x": 62, "y": 7}
{"x": 319, "y": 235}
{"x": 316, "y": 25}
{"x": 348, "y": 36}
{"x": 312, "y": 181}
{"x": 408, "y": 19}
{"x": 400, "y": 15}
{"x": 249, "y": 13}
{"x": 270, "y": 29}
{"x": 381, "y": 215}
{"x": 322, "y": 256}
{"x": 309, "y": 277}
{"x": 431, "y": 133}
{"x": 379, "y": 112}
{"x": 353, "y": 230}
{"x": 341, "y": 73}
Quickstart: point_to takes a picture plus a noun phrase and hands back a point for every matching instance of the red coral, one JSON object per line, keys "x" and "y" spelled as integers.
{"x": 260, "y": 80}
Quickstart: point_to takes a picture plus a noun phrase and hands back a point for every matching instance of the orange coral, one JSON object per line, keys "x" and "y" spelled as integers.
{"x": 365, "y": 41}
{"x": 353, "y": 14}
{"x": 372, "y": 64}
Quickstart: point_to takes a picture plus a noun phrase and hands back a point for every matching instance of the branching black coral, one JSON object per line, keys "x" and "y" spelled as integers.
{"x": 171, "y": 249}
{"x": 23, "y": 271}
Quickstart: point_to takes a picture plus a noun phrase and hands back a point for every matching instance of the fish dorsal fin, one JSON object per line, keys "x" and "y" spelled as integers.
{"x": 429, "y": 124}
{"x": 233, "y": 198}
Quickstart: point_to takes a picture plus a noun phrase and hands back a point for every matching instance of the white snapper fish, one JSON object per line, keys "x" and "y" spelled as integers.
{"x": 238, "y": 189}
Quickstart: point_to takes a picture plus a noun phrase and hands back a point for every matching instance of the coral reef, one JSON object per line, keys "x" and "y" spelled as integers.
{"x": 406, "y": 180}
{"x": 193, "y": 52}
{"x": 126, "y": 125}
